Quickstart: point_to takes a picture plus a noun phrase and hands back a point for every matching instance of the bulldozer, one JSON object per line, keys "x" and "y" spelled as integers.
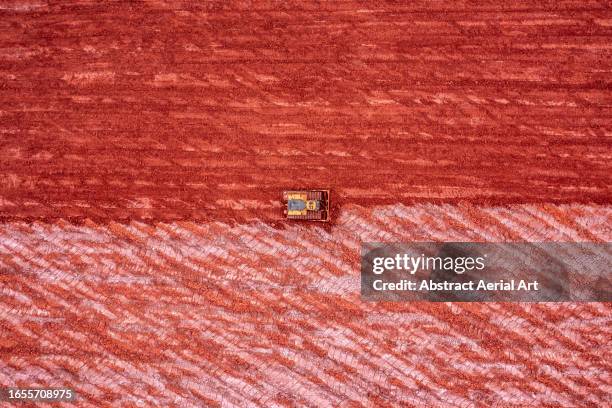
{"x": 307, "y": 205}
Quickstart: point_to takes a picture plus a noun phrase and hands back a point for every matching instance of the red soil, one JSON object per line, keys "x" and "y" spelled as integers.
{"x": 206, "y": 314}
{"x": 199, "y": 111}
{"x": 168, "y": 110}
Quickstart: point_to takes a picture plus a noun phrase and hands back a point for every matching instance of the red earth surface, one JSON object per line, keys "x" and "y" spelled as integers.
{"x": 192, "y": 314}
{"x": 144, "y": 147}
{"x": 167, "y": 110}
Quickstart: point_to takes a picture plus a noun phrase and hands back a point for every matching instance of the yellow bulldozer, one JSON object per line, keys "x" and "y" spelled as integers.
{"x": 308, "y": 205}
